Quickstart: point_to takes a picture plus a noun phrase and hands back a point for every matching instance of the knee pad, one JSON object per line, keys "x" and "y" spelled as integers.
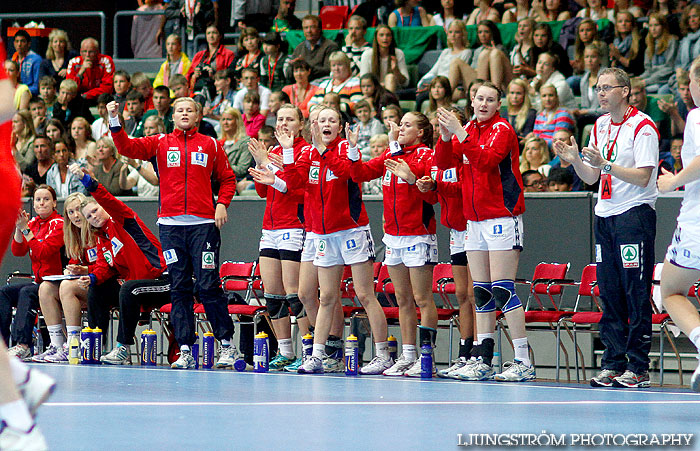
{"x": 483, "y": 299}
{"x": 277, "y": 306}
{"x": 296, "y": 306}
{"x": 505, "y": 296}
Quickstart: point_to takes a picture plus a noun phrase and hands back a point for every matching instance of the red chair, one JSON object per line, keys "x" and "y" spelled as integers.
{"x": 443, "y": 284}
{"x": 238, "y": 276}
{"x": 333, "y": 17}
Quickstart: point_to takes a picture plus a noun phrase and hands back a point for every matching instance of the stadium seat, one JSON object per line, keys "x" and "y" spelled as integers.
{"x": 238, "y": 277}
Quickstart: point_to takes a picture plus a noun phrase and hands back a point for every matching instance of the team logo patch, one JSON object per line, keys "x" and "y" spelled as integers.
{"x": 450, "y": 175}
{"x": 173, "y": 157}
{"x": 200, "y": 159}
{"x": 433, "y": 172}
{"x": 386, "y": 180}
{"x": 285, "y": 236}
{"x": 116, "y": 246}
{"x": 321, "y": 250}
{"x": 92, "y": 255}
{"x": 598, "y": 254}
{"x": 351, "y": 245}
{"x": 498, "y": 229}
{"x": 208, "y": 260}
{"x": 313, "y": 174}
{"x": 465, "y": 160}
{"x": 630, "y": 255}
{"x": 411, "y": 248}
{"x": 108, "y": 258}
{"x": 170, "y": 256}
{"x": 330, "y": 176}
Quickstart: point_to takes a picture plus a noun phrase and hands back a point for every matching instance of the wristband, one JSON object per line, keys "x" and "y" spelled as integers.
{"x": 93, "y": 279}
{"x": 280, "y": 185}
{"x": 394, "y": 147}
{"x": 353, "y": 154}
{"x": 86, "y": 180}
{"x": 288, "y": 156}
{"x": 272, "y": 168}
{"x": 114, "y": 122}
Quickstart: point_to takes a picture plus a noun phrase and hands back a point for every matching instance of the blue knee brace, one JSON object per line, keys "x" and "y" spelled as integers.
{"x": 505, "y": 296}
{"x": 483, "y": 298}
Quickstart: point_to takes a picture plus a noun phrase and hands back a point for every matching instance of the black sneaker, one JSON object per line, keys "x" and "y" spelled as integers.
{"x": 605, "y": 378}
{"x": 632, "y": 380}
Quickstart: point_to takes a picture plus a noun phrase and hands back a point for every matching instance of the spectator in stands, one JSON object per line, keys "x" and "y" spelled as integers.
{"x": 586, "y": 34}
{"x": 650, "y": 106}
{"x": 37, "y": 108}
{"x": 275, "y": 64}
{"x": 521, "y": 115}
{"x": 519, "y": 12}
{"x": 176, "y": 62}
{"x": 626, "y": 5}
{"x": 193, "y": 18}
{"x": 355, "y": 42}
{"x": 251, "y": 13}
{"x": 22, "y": 139}
{"x": 671, "y": 10}
{"x": 367, "y": 126}
{"x": 224, "y": 94}
{"x": 408, "y": 14}
{"x": 448, "y": 12}
{"x": 301, "y": 91}
{"x": 483, "y": 11}
{"x": 544, "y": 42}
{"x": 377, "y": 96}
{"x": 590, "y": 108}
{"x": 109, "y": 167}
{"x": 47, "y": 91}
{"x": 206, "y": 62}
{"x": 391, "y": 113}
{"x": 251, "y": 83}
{"x": 162, "y": 109}
{"x": 535, "y": 156}
{"x": 22, "y": 93}
{"x": 385, "y": 60}
{"x": 565, "y": 136}
{"x": 81, "y": 132}
{"x": 249, "y": 53}
{"x": 138, "y": 173}
{"x": 285, "y": 19}
{"x": 688, "y": 47}
{"x": 141, "y": 83}
{"x": 681, "y": 104}
{"x": 59, "y": 177}
{"x": 332, "y": 100}
{"x": 92, "y": 71}
{"x": 42, "y": 238}
{"x": 135, "y": 106}
{"x": 340, "y": 81}
{"x": 548, "y": 75}
{"x": 28, "y": 61}
{"x": 489, "y": 59}
{"x": 560, "y": 180}
{"x": 58, "y": 54}
{"x": 316, "y": 49}
{"x": 377, "y": 146}
{"x": 551, "y": 117}
{"x": 660, "y": 56}
{"x": 627, "y": 50}
{"x": 100, "y": 127}
{"x": 266, "y": 136}
{"x": 674, "y": 163}
{"x": 43, "y": 153}
{"x": 179, "y": 87}
{"x": 252, "y": 119}
{"x": 277, "y": 99}
{"x": 144, "y": 32}
{"x": 440, "y": 95}
{"x": 534, "y": 182}
{"x": 550, "y": 11}
{"x": 69, "y": 105}
{"x": 596, "y": 10}
{"x": 55, "y": 129}
{"x": 234, "y": 140}
{"x": 122, "y": 87}
{"x": 523, "y": 56}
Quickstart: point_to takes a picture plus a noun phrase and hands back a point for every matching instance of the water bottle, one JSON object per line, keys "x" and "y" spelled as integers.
{"x": 261, "y": 353}
{"x": 74, "y": 348}
{"x": 195, "y": 351}
{"x": 307, "y": 345}
{"x": 97, "y": 346}
{"x": 239, "y": 365}
{"x": 351, "y": 355}
{"x": 496, "y": 360}
{"x": 148, "y": 347}
{"x": 86, "y": 345}
{"x": 393, "y": 347}
{"x": 208, "y": 350}
{"x": 426, "y": 361}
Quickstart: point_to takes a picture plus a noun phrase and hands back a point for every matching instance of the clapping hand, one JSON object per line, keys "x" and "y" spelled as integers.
{"x": 425, "y": 184}
{"x": 352, "y": 133}
{"x": 401, "y": 169}
{"x": 665, "y": 182}
{"x": 262, "y": 175}
{"x": 567, "y": 152}
{"x": 592, "y": 156}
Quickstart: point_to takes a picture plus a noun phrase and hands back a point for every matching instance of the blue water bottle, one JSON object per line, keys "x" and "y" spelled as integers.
{"x": 307, "y": 346}
{"x": 351, "y": 356}
{"x": 97, "y": 346}
{"x": 208, "y": 350}
{"x": 261, "y": 353}
{"x": 426, "y": 361}
{"x": 195, "y": 351}
{"x": 148, "y": 347}
{"x": 393, "y": 347}
{"x": 86, "y": 345}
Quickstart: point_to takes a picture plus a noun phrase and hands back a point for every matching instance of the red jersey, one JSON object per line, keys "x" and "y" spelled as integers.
{"x": 492, "y": 186}
{"x": 99, "y": 79}
{"x": 334, "y": 199}
{"x": 407, "y": 211}
{"x": 449, "y": 193}
{"x": 187, "y": 162}
{"x": 284, "y": 210}
{"x": 45, "y": 249}
{"x": 95, "y": 259}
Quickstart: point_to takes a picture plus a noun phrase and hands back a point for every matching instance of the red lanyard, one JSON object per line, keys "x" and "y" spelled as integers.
{"x": 245, "y": 59}
{"x": 627, "y": 115}
{"x": 271, "y": 72}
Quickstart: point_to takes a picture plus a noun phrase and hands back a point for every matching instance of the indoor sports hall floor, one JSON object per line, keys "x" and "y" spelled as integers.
{"x": 101, "y": 407}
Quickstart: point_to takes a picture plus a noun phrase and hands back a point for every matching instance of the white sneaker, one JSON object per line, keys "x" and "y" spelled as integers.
{"x": 516, "y": 371}
{"x": 695, "y": 378}
{"x": 333, "y": 365}
{"x": 36, "y": 389}
{"x": 120, "y": 355}
{"x": 14, "y": 440}
{"x": 476, "y": 371}
{"x": 415, "y": 370}
{"x": 60, "y": 356}
{"x": 21, "y": 352}
{"x": 311, "y": 365}
{"x": 400, "y": 367}
{"x": 42, "y": 357}
{"x": 455, "y": 374}
{"x": 456, "y": 364}
{"x": 377, "y": 365}
{"x": 227, "y": 357}
{"x": 184, "y": 362}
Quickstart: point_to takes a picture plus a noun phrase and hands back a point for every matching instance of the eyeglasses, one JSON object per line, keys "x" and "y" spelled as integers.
{"x": 606, "y": 89}
{"x": 537, "y": 183}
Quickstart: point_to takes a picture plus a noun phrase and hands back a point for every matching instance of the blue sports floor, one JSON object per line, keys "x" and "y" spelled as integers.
{"x": 129, "y": 408}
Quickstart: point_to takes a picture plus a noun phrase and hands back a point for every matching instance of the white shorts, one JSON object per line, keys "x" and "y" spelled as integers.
{"x": 309, "y": 252}
{"x": 411, "y": 251}
{"x": 346, "y": 247}
{"x": 498, "y": 234}
{"x": 457, "y": 241}
{"x": 684, "y": 250}
{"x": 283, "y": 239}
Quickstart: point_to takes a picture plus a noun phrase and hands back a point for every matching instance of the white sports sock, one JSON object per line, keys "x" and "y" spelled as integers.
{"x": 481, "y": 337}
{"x": 71, "y": 329}
{"x": 19, "y": 371}
{"x": 521, "y": 350}
{"x": 285, "y": 347}
{"x": 16, "y": 415}
{"x": 462, "y": 341}
{"x": 225, "y": 343}
{"x": 319, "y": 350}
{"x": 410, "y": 351}
{"x": 184, "y": 348}
{"x": 694, "y": 336}
{"x": 56, "y": 335}
{"x": 382, "y": 349}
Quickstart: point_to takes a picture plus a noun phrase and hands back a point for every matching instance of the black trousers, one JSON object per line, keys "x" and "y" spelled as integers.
{"x": 625, "y": 271}
{"x": 24, "y": 296}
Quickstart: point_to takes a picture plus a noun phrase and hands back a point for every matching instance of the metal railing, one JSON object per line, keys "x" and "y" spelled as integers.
{"x": 43, "y": 16}
{"x": 115, "y": 28}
